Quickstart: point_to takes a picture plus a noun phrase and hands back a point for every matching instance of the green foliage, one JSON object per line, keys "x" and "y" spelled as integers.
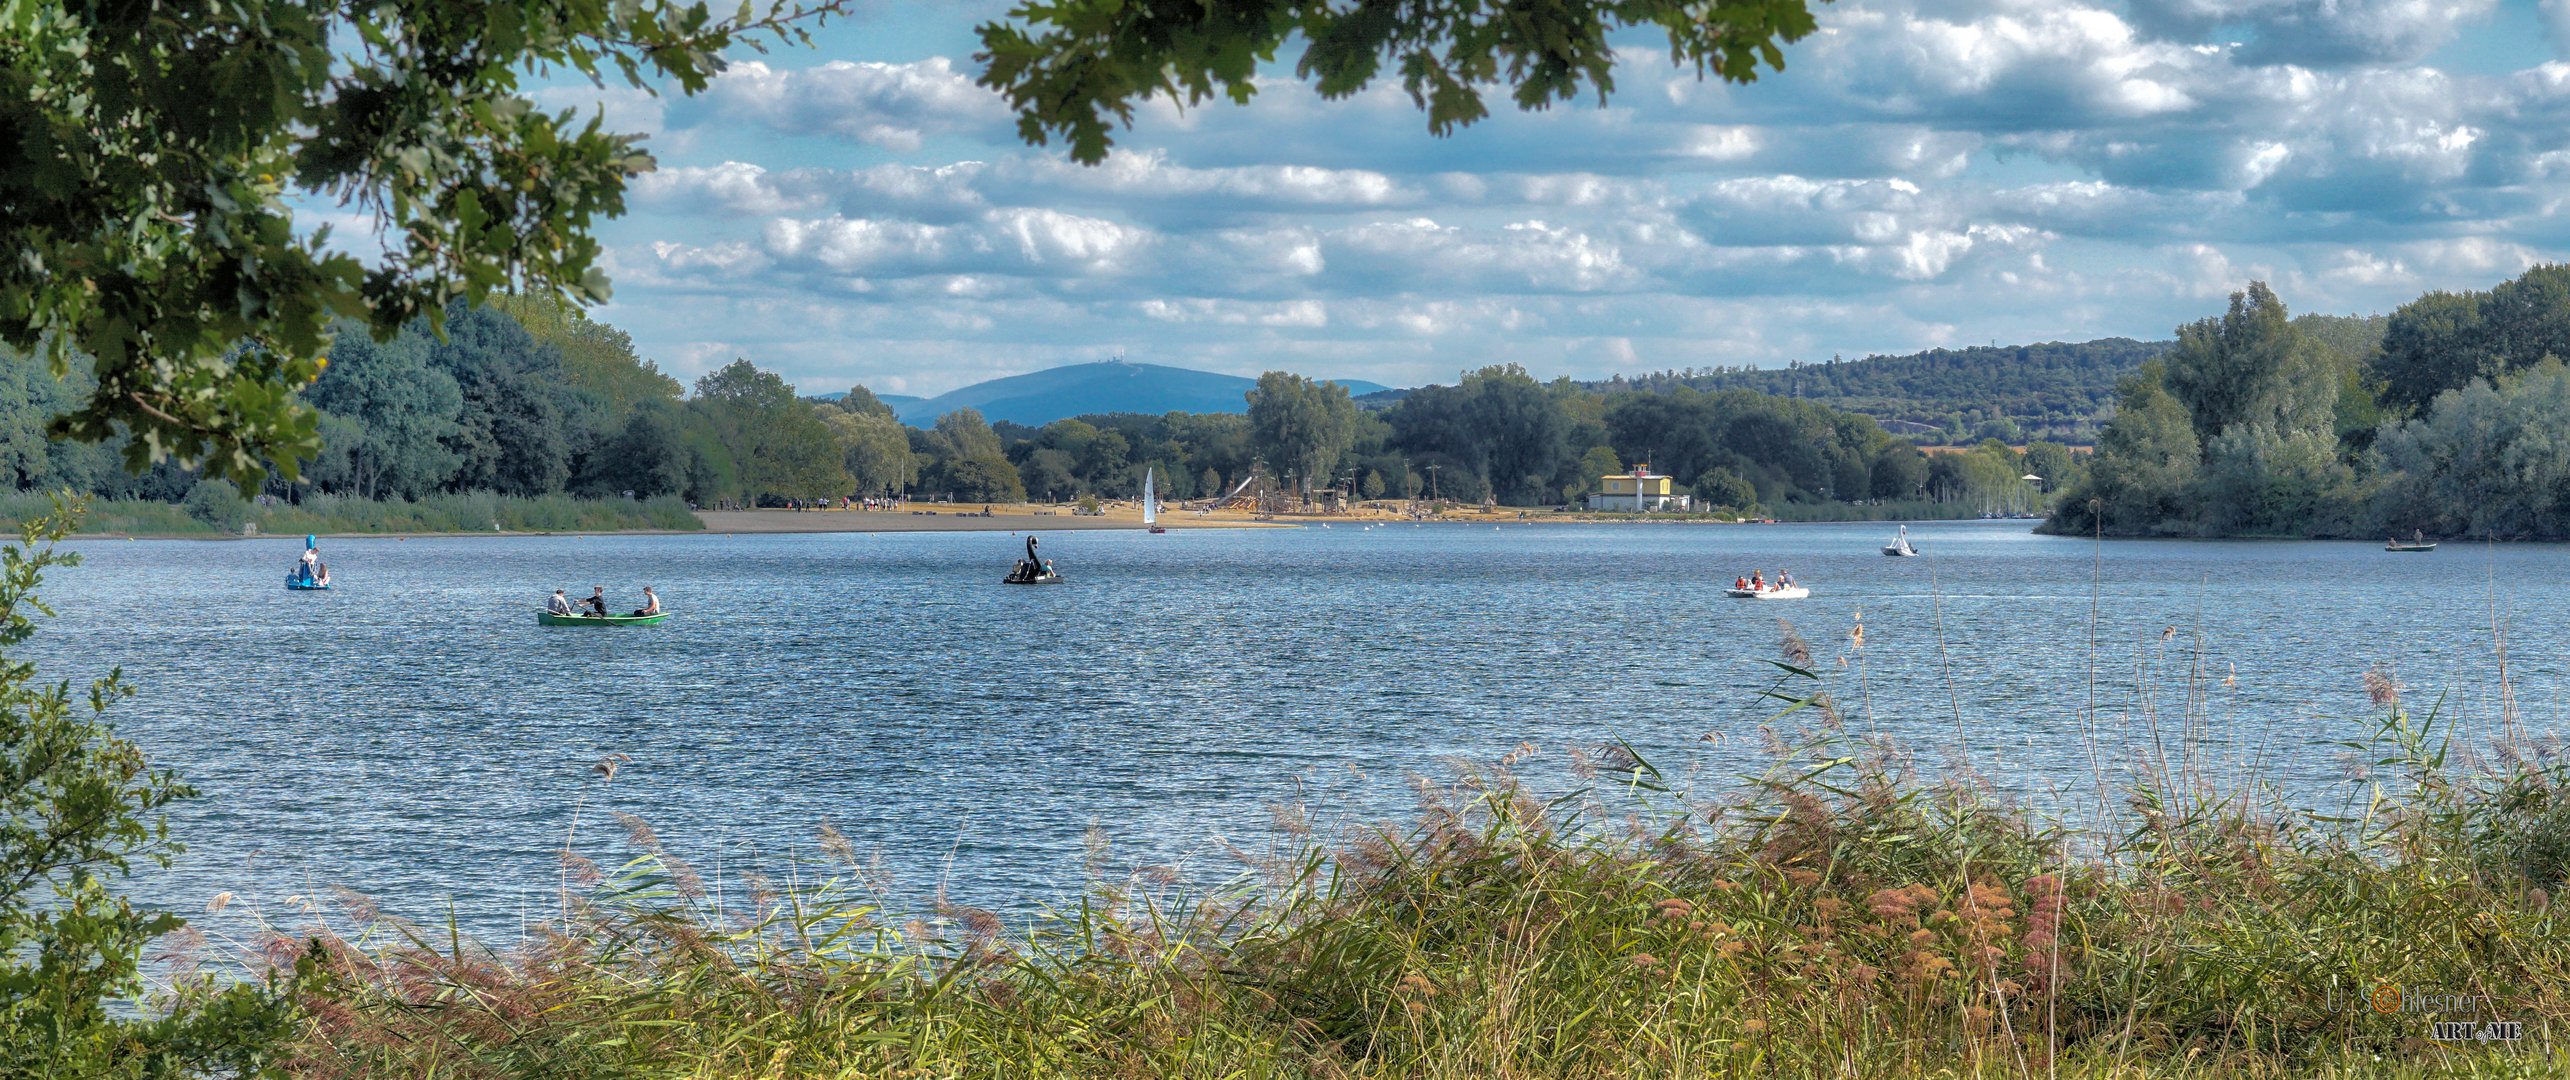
{"x": 965, "y": 461}
{"x": 1499, "y": 423}
{"x": 457, "y": 513}
{"x": 778, "y": 442}
{"x": 1074, "y": 69}
{"x": 1839, "y": 913}
{"x": 2488, "y": 460}
{"x": 78, "y": 809}
{"x": 1301, "y": 426}
{"x": 873, "y": 448}
{"x": 217, "y": 505}
{"x": 2053, "y": 389}
{"x": 2443, "y": 341}
{"x": 2237, "y": 433}
{"x": 157, "y": 151}
{"x": 862, "y": 402}
{"x": 597, "y": 359}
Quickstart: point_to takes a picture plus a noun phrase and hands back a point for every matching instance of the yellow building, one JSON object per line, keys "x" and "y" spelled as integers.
{"x": 1639, "y": 491}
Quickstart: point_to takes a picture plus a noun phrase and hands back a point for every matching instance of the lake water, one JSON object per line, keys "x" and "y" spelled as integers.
{"x": 413, "y": 735}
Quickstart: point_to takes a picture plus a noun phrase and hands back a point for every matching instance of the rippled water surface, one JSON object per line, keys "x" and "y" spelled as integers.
{"x": 415, "y": 736}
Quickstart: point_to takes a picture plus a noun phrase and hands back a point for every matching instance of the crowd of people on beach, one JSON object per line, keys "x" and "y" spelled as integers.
{"x": 594, "y": 605}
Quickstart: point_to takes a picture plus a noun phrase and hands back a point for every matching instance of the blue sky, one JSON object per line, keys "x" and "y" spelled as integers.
{"x": 1922, "y": 174}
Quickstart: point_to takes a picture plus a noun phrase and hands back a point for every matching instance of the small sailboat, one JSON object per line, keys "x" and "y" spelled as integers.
{"x": 1900, "y": 547}
{"x": 1150, "y": 503}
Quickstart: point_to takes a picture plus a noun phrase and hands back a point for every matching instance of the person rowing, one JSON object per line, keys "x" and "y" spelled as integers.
{"x": 596, "y": 601}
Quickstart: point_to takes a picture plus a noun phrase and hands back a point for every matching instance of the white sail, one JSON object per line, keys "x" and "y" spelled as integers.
{"x": 1150, "y": 502}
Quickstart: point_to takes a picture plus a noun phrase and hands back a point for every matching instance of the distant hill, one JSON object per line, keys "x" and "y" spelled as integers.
{"x": 1041, "y": 397}
{"x": 2053, "y": 390}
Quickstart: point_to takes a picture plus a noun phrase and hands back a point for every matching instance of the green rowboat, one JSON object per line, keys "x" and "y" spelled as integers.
{"x": 547, "y": 618}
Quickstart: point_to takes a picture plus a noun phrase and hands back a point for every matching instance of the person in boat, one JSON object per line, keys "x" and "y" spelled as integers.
{"x": 1784, "y": 579}
{"x": 651, "y": 603}
{"x": 596, "y": 601}
{"x": 559, "y": 605}
{"x": 1757, "y": 581}
{"x": 1740, "y": 583}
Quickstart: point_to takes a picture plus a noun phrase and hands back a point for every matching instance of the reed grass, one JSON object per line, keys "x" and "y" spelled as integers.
{"x": 1842, "y": 913}
{"x": 333, "y": 514}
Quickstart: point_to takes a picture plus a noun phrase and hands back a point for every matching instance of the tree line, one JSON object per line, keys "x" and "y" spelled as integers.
{"x": 529, "y": 397}
{"x": 2451, "y": 417}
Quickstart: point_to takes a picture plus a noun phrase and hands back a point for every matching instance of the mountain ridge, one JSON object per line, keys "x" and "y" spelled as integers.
{"x": 1037, "y": 398}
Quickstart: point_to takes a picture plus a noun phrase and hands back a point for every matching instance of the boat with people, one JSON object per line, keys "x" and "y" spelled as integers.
{"x": 592, "y": 610}
{"x": 2418, "y": 541}
{"x": 310, "y": 574}
{"x": 1757, "y": 586}
{"x": 1780, "y": 592}
{"x": 548, "y": 618}
{"x": 1900, "y": 547}
{"x": 1032, "y": 570}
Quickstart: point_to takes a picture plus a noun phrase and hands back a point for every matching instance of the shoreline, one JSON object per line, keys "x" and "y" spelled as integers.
{"x": 1017, "y": 519}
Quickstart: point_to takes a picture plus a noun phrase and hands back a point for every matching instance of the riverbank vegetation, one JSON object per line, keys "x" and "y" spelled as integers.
{"x": 215, "y": 508}
{"x": 1843, "y": 915}
{"x": 2443, "y": 418}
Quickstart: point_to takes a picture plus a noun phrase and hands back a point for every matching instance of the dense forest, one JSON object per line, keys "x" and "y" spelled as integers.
{"x": 2055, "y": 390}
{"x": 1500, "y": 436}
{"x": 2450, "y": 417}
{"x": 530, "y": 400}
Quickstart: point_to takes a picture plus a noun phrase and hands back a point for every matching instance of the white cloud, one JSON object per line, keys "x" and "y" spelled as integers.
{"x": 1922, "y": 175}
{"x": 888, "y": 105}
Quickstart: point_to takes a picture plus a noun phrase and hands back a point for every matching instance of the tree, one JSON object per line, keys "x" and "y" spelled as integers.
{"x": 1599, "y": 462}
{"x": 777, "y": 442}
{"x": 1047, "y": 474}
{"x": 2491, "y": 459}
{"x": 596, "y": 357}
{"x": 863, "y": 402}
{"x": 1723, "y": 489}
{"x": 967, "y": 462}
{"x": 1898, "y": 473}
{"x": 401, "y": 415}
{"x": 2141, "y": 478}
{"x": 1301, "y": 425}
{"x": 649, "y": 457}
{"x": 2252, "y": 364}
{"x": 513, "y": 434}
{"x": 873, "y": 447}
{"x": 2433, "y": 344}
{"x": 80, "y": 808}
{"x": 157, "y": 152}
{"x": 1076, "y": 67}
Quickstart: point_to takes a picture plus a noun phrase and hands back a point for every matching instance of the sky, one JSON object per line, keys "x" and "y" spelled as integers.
{"x": 1920, "y": 175}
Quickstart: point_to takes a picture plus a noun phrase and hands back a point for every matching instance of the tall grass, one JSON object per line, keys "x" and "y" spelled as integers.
{"x": 1842, "y": 913}
{"x": 224, "y": 514}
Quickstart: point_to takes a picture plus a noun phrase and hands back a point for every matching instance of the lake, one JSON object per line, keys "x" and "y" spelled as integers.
{"x": 413, "y": 735}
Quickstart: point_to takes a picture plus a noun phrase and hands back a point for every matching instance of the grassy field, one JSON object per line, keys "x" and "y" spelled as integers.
{"x": 221, "y": 513}
{"x": 1842, "y": 914}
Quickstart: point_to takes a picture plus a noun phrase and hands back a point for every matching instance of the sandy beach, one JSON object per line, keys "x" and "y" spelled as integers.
{"x": 949, "y": 518}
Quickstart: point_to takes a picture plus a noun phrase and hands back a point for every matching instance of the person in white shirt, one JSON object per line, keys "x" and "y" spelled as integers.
{"x": 559, "y": 605}
{"x": 651, "y": 603}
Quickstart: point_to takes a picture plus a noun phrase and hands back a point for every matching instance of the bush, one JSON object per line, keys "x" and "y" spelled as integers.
{"x": 217, "y": 505}
{"x": 78, "y": 807}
